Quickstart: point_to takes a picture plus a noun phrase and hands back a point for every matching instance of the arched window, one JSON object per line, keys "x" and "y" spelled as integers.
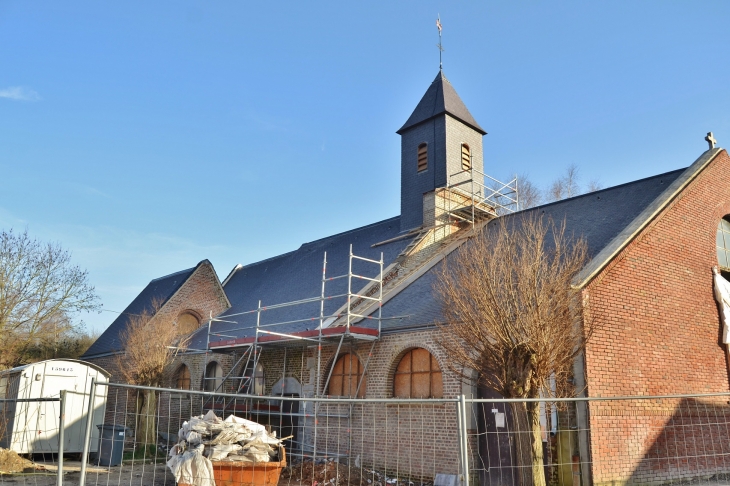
{"x": 465, "y": 157}
{"x": 182, "y": 378}
{"x": 422, "y": 157}
{"x": 187, "y": 323}
{"x": 346, "y": 374}
{"x": 213, "y": 377}
{"x": 418, "y": 376}
{"x": 723, "y": 243}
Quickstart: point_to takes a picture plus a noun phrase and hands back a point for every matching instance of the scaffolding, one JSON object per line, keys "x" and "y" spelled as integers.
{"x": 334, "y": 327}
{"x": 471, "y": 196}
{"x": 340, "y": 325}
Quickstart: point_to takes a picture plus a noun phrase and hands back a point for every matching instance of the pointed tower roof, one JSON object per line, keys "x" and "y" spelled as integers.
{"x": 441, "y": 98}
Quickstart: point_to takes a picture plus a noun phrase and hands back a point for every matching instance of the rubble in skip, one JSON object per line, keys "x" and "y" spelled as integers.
{"x": 208, "y": 438}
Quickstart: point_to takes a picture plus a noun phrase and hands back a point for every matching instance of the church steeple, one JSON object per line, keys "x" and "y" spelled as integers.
{"x": 434, "y": 140}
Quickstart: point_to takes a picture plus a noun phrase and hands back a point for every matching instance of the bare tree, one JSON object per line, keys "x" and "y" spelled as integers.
{"x": 150, "y": 342}
{"x": 70, "y": 345}
{"x": 40, "y": 292}
{"x": 565, "y": 186}
{"x": 513, "y": 318}
{"x": 529, "y": 194}
{"x": 594, "y": 186}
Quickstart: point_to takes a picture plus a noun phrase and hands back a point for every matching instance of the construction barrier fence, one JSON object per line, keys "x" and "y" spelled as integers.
{"x": 330, "y": 441}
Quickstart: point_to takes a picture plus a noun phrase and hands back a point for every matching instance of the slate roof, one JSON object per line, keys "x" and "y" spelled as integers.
{"x": 441, "y": 98}
{"x": 598, "y": 216}
{"x": 602, "y": 217}
{"x": 298, "y": 275}
{"x": 158, "y": 290}
{"x": 645, "y": 217}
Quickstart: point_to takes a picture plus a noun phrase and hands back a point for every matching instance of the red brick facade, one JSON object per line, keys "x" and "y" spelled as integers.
{"x": 658, "y": 332}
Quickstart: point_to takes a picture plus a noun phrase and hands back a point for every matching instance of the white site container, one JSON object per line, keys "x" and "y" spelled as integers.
{"x": 32, "y": 427}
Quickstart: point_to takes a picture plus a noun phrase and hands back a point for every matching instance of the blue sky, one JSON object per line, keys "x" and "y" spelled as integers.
{"x": 147, "y": 136}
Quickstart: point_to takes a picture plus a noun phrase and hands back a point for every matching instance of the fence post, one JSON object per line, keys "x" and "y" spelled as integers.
{"x": 458, "y": 433}
{"x": 61, "y": 440}
{"x": 464, "y": 439}
{"x": 87, "y": 431}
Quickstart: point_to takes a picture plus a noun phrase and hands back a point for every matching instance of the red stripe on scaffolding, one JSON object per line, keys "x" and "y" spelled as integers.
{"x": 330, "y": 331}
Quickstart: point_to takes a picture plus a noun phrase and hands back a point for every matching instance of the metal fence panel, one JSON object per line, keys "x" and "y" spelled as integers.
{"x": 404, "y": 442}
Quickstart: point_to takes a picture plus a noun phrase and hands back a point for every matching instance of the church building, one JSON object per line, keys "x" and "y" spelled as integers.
{"x": 355, "y": 315}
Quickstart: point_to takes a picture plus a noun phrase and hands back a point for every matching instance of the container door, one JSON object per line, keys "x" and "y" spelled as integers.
{"x": 78, "y": 422}
{"x": 54, "y": 378}
{"x": 22, "y": 417}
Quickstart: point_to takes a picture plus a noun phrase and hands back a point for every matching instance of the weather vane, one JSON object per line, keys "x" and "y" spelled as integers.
{"x": 441, "y": 49}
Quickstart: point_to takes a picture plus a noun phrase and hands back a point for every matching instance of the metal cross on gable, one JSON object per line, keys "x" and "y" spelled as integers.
{"x": 711, "y": 140}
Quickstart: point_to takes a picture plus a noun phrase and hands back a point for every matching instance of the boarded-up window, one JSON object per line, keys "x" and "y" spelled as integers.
{"x": 187, "y": 323}
{"x": 422, "y": 157}
{"x": 418, "y": 376}
{"x": 346, "y": 374}
{"x": 465, "y": 157}
{"x": 182, "y": 378}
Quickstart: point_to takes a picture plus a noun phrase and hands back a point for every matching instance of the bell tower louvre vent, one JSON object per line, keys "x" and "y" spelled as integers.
{"x": 422, "y": 157}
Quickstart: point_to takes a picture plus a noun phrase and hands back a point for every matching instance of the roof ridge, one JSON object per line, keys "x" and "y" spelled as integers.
{"x": 605, "y": 189}
{"x": 359, "y": 228}
{"x": 249, "y": 265}
{"x": 175, "y": 273}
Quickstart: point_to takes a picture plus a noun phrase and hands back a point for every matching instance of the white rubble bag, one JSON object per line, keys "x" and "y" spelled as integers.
{"x": 191, "y": 467}
{"x": 722, "y": 295}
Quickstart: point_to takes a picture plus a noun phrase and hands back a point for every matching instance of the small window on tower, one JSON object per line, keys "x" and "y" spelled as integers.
{"x": 465, "y": 157}
{"x": 422, "y": 157}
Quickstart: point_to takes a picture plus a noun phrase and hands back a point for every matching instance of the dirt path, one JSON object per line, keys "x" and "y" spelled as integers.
{"x": 126, "y": 475}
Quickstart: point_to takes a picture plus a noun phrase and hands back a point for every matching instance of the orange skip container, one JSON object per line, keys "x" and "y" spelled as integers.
{"x": 228, "y": 473}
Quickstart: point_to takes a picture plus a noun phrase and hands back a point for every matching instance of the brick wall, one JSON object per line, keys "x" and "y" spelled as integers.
{"x": 199, "y": 295}
{"x": 657, "y": 330}
{"x": 419, "y": 439}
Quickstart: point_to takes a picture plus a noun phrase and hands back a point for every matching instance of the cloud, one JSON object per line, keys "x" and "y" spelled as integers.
{"x": 19, "y": 93}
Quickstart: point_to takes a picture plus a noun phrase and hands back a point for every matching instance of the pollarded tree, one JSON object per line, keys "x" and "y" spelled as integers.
{"x": 40, "y": 293}
{"x": 513, "y": 318}
{"x": 150, "y": 342}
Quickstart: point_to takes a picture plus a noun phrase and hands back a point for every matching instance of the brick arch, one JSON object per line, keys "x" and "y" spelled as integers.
{"x": 194, "y": 312}
{"x": 214, "y": 384}
{"x": 397, "y": 355}
{"x": 179, "y": 376}
{"x": 330, "y": 362}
